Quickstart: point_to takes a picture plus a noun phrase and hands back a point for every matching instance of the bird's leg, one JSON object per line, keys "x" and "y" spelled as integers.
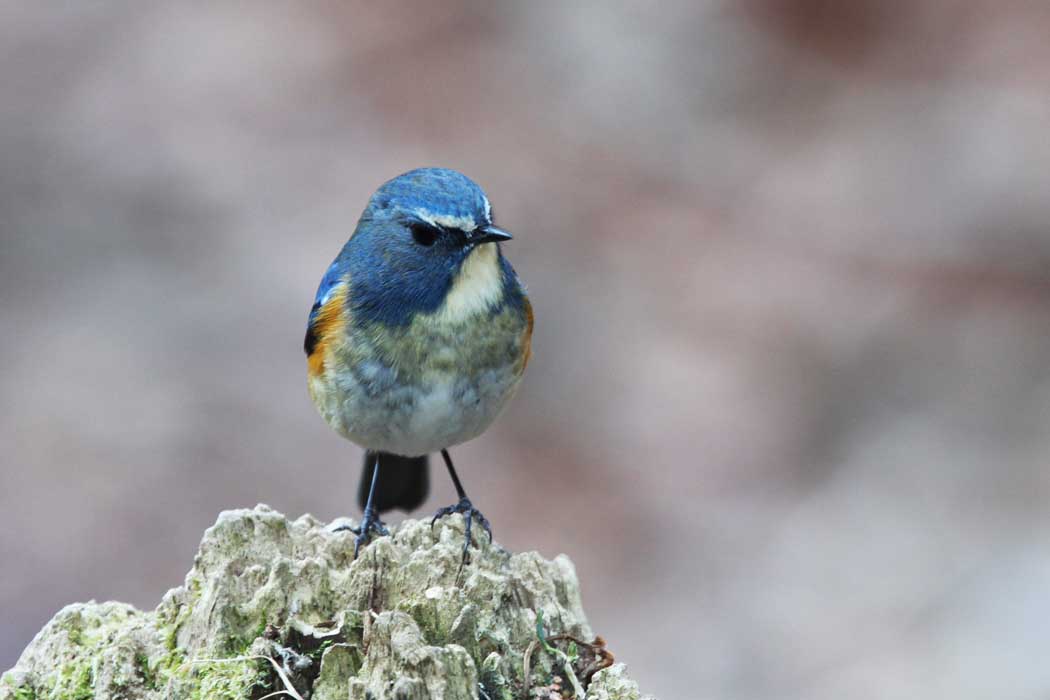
{"x": 465, "y": 507}
{"x": 370, "y": 521}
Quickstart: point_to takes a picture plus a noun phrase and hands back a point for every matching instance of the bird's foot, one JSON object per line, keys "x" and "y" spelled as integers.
{"x": 469, "y": 512}
{"x": 370, "y": 523}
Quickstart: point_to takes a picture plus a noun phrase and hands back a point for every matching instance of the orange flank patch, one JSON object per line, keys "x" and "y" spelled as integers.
{"x": 527, "y": 340}
{"x": 328, "y": 324}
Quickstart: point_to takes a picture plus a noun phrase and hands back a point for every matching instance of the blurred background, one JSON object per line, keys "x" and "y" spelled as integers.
{"x": 789, "y": 405}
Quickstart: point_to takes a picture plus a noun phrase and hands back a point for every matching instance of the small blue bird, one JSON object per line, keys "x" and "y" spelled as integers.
{"x": 418, "y": 336}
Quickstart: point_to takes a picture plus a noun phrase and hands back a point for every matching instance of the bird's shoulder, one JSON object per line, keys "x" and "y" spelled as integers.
{"x": 328, "y": 316}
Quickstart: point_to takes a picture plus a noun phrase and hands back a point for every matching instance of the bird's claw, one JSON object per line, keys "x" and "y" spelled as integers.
{"x": 370, "y": 523}
{"x": 469, "y": 513}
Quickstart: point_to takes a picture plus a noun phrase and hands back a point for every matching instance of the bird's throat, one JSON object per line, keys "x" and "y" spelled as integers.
{"x": 477, "y": 287}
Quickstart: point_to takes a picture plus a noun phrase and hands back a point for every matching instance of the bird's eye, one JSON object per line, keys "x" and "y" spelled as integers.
{"x": 424, "y": 235}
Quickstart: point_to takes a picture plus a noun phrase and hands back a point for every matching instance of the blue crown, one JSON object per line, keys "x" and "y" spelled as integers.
{"x": 438, "y": 192}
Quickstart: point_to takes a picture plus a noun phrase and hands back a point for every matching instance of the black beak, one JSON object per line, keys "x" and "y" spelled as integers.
{"x": 489, "y": 234}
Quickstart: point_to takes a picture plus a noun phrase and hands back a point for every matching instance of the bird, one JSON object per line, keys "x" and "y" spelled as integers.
{"x": 419, "y": 335}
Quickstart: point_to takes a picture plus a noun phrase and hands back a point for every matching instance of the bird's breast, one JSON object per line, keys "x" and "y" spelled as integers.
{"x": 436, "y": 382}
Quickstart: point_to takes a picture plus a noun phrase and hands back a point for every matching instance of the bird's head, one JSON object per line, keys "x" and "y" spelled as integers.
{"x": 425, "y": 243}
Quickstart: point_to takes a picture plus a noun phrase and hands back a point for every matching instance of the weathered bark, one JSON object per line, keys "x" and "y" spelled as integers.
{"x": 273, "y": 605}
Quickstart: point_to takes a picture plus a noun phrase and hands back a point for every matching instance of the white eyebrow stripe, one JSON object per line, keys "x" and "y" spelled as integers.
{"x": 488, "y": 209}
{"x": 463, "y": 223}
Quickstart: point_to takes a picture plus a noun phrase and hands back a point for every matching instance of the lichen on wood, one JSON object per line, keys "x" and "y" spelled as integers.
{"x": 280, "y": 608}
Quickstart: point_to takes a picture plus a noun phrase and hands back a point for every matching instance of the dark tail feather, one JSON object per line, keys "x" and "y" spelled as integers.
{"x": 403, "y": 482}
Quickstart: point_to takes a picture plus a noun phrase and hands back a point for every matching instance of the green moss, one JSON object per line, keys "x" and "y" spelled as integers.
{"x": 91, "y": 636}
{"x": 236, "y": 644}
{"x": 76, "y": 681}
{"x": 76, "y": 635}
{"x": 171, "y": 631}
{"x": 234, "y": 679}
{"x": 353, "y": 624}
{"x": 427, "y": 615}
{"x": 22, "y": 691}
{"x": 147, "y": 672}
{"x": 240, "y": 629}
{"x": 493, "y": 682}
{"x": 170, "y": 662}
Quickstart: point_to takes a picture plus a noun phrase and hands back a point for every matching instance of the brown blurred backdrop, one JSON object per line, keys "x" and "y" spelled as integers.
{"x": 790, "y": 259}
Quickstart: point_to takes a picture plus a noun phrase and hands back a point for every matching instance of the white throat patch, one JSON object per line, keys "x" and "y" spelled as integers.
{"x": 478, "y": 285}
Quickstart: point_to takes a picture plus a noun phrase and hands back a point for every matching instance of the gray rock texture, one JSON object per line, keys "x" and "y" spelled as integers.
{"x": 279, "y": 608}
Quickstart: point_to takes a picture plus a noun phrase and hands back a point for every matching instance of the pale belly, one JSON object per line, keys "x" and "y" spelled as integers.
{"x": 425, "y": 387}
{"x": 372, "y": 406}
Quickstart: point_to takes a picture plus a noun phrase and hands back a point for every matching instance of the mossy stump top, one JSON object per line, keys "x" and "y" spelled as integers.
{"x": 279, "y": 608}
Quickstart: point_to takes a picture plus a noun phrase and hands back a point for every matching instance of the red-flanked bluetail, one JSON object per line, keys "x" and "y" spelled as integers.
{"x": 418, "y": 336}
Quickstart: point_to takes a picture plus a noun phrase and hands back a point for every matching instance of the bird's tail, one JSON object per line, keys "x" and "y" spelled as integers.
{"x": 403, "y": 481}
